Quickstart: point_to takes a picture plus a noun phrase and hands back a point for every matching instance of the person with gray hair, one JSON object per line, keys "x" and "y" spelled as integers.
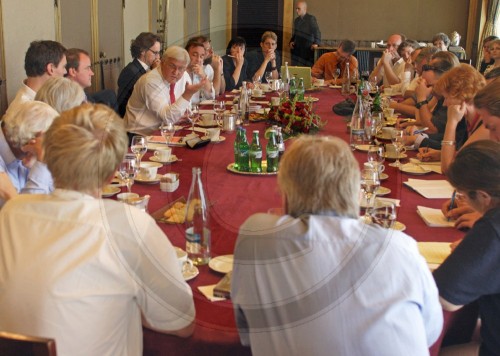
{"x": 61, "y": 93}
{"x": 86, "y": 271}
{"x": 441, "y": 41}
{"x": 308, "y": 282}
{"x": 163, "y": 94}
{"x": 21, "y": 156}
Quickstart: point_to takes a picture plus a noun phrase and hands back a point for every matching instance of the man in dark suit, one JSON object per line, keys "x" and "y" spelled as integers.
{"x": 306, "y": 37}
{"x": 145, "y": 50}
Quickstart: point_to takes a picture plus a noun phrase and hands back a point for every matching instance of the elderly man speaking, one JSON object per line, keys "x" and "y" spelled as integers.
{"x": 163, "y": 94}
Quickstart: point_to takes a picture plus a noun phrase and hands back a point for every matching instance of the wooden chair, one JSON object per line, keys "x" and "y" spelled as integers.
{"x": 17, "y": 344}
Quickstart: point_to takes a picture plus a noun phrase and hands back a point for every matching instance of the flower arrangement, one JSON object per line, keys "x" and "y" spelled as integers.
{"x": 296, "y": 117}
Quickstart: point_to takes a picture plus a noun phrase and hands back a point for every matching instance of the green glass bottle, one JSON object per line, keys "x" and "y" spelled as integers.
{"x": 255, "y": 153}
{"x": 237, "y": 149}
{"x": 272, "y": 153}
{"x": 243, "y": 152}
{"x": 293, "y": 88}
{"x": 300, "y": 90}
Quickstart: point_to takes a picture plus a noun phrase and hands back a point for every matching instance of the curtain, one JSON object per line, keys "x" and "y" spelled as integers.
{"x": 489, "y": 27}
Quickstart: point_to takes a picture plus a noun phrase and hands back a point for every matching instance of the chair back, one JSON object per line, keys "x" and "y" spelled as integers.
{"x": 17, "y": 344}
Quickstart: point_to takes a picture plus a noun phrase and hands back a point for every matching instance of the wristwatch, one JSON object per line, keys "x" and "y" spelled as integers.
{"x": 421, "y": 103}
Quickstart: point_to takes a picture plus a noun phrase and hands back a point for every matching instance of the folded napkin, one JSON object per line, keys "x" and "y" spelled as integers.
{"x": 434, "y": 217}
{"x": 434, "y": 252}
{"x": 431, "y": 189}
{"x": 208, "y": 291}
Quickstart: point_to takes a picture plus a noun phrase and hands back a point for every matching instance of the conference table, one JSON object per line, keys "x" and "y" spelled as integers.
{"x": 234, "y": 197}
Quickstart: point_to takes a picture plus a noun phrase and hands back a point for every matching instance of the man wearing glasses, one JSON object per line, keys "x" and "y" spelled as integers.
{"x": 326, "y": 66}
{"x": 145, "y": 50}
{"x": 163, "y": 94}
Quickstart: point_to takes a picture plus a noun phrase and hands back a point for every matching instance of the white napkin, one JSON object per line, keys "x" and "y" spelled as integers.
{"x": 434, "y": 217}
{"x": 208, "y": 291}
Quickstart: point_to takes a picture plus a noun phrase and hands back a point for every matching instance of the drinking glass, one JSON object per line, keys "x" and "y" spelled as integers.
{"x": 167, "y": 130}
{"x": 377, "y": 118}
{"x": 268, "y": 76}
{"x": 373, "y": 83}
{"x": 370, "y": 128}
{"x": 397, "y": 139}
{"x": 383, "y": 213}
{"x": 219, "y": 108}
{"x": 376, "y": 157}
{"x": 336, "y": 75}
{"x": 193, "y": 114}
{"x": 280, "y": 87}
{"x": 128, "y": 170}
{"x": 369, "y": 184}
{"x": 256, "y": 82}
{"x": 139, "y": 147}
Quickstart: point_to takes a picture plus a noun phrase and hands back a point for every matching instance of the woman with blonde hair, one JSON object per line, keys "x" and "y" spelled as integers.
{"x": 61, "y": 93}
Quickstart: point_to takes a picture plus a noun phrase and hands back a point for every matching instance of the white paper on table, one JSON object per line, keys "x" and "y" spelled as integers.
{"x": 434, "y": 252}
{"x": 207, "y": 102}
{"x": 434, "y": 217}
{"x": 431, "y": 189}
{"x": 208, "y": 292}
{"x": 430, "y": 166}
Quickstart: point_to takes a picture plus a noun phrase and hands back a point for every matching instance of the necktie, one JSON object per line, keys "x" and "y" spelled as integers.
{"x": 172, "y": 95}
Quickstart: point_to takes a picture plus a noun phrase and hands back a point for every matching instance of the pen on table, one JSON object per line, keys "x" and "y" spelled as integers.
{"x": 416, "y": 132}
{"x": 452, "y": 202}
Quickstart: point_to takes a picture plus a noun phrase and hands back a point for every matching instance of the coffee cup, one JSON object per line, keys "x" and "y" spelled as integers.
{"x": 275, "y": 100}
{"x": 388, "y": 112}
{"x": 148, "y": 170}
{"x": 185, "y": 264}
{"x": 169, "y": 182}
{"x": 163, "y": 154}
{"x": 229, "y": 122}
{"x": 319, "y": 82}
{"x": 207, "y": 119}
{"x": 257, "y": 92}
{"x": 213, "y": 134}
{"x": 374, "y": 165}
{"x": 127, "y": 196}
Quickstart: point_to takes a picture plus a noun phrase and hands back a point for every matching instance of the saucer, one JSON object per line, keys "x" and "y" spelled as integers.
{"x": 190, "y": 273}
{"x": 383, "y": 176}
{"x": 363, "y": 148}
{"x": 382, "y": 191}
{"x": 148, "y": 180}
{"x": 221, "y": 139}
{"x": 399, "y": 226}
{"x": 222, "y": 264}
{"x": 110, "y": 190}
{"x": 172, "y": 159}
{"x": 394, "y": 156}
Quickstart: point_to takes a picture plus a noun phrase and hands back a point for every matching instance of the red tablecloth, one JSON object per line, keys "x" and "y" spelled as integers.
{"x": 234, "y": 198}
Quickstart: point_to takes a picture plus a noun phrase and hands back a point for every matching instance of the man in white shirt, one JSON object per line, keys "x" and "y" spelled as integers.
{"x": 162, "y": 94}
{"x": 85, "y": 270}
{"x": 197, "y": 71}
{"x": 43, "y": 60}
{"x": 212, "y": 64}
{"x": 390, "y": 67}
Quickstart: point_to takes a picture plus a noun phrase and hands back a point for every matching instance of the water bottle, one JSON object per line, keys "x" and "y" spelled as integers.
{"x": 197, "y": 228}
{"x": 255, "y": 153}
{"x": 357, "y": 131}
{"x": 244, "y": 105}
{"x": 286, "y": 80}
{"x": 272, "y": 152}
{"x": 237, "y": 148}
{"x": 280, "y": 141}
{"x": 243, "y": 152}
{"x": 346, "y": 80}
{"x": 292, "y": 88}
{"x": 300, "y": 90}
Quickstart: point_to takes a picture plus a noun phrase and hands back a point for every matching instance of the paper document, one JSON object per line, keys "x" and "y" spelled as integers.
{"x": 434, "y": 217}
{"x": 431, "y": 189}
{"x": 434, "y": 252}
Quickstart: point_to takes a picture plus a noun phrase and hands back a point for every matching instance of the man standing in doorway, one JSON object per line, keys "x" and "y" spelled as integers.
{"x": 306, "y": 37}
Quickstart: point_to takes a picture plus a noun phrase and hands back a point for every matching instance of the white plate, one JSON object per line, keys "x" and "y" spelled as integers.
{"x": 221, "y": 139}
{"x": 363, "y": 148}
{"x": 258, "y": 96}
{"x": 110, "y": 190}
{"x": 190, "y": 273}
{"x": 222, "y": 264}
{"x": 383, "y": 176}
{"x": 416, "y": 169}
{"x": 382, "y": 191}
{"x": 393, "y": 156}
{"x": 399, "y": 226}
{"x": 172, "y": 159}
{"x": 147, "y": 180}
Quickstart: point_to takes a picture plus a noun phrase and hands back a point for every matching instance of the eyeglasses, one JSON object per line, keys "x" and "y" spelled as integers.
{"x": 427, "y": 67}
{"x": 156, "y": 53}
{"x": 176, "y": 68}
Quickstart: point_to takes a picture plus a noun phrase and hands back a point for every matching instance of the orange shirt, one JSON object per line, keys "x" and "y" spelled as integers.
{"x": 328, "y": 63}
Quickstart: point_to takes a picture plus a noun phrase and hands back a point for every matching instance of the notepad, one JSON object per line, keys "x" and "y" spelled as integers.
{"x": 434, "y": 252}
{"x": 431, "y": 189}
{"x": 434, "y": 217}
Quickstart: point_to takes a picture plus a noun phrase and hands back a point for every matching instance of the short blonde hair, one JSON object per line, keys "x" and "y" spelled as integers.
{"x": 462, "y": 82}
{"x": 84, "y": 147}
{"x": 318, "y": 175}
{"x": 61, "y": 93}
{"x": 269, "y": 34}
{"x": 26, "y": 120}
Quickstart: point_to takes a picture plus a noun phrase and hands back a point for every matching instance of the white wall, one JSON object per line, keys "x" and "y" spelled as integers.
{"x": 218, "y": 26}
{"x": 23, "y": 22}
{"x": 135, "y": 20}
{"x": 175, "y": 23}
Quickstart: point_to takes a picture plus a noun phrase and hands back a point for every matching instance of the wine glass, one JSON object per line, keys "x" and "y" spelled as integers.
{"x": 397, "y": 138}
{"x": 256, "y": 82}
{"x": 167, "y": 130}
{"x": 370, "y": 128}
{"x": 128, "y": 170}
{"x": 269, "y": 77}
{"x": 373, "y": 83}
{"x": 336, "y": 75}
{"x": 280, "y": 87}
{"x": 139, "y": 147}
{"x": 383, "y": 213}
{"x": 376, "y": 157}
{"x": 193, "y": 114}
{"x": 369, "y": 184}
{"x": 377, "y": 118}
{"x": 219, "y": 108}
